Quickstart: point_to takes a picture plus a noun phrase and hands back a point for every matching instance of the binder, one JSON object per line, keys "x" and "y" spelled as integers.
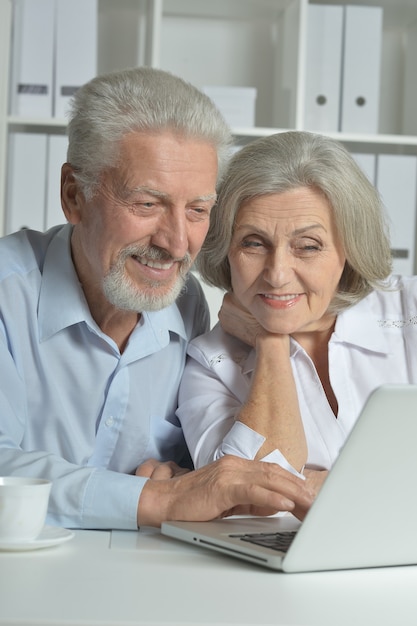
{"x": 361, "y": 69}
{"x": 367, "y": 163}
{"x": 32, "y": 58}
{"x": 26, "y": 181}
{"x": 76, "y": 49}
{"x": 57, "y": 155}
{"x": 236, "y": 104}
{"x": 409, "y": 126}
{"x": 397, "y": 184}
{"x": 324, "y": 66}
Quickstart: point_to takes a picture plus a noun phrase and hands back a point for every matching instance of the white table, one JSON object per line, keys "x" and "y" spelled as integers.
{"x": 131, "y": 578}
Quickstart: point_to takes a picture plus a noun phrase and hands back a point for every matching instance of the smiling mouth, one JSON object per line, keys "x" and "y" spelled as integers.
{"x": 283, "y": 298}
{"x": 158, "y": 265}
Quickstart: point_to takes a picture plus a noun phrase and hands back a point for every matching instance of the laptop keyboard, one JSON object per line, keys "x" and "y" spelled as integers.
{"x": 276, "y": 541}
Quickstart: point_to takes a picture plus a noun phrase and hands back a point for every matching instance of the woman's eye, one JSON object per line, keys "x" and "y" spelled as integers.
{"x": 252, "y": 243}
{"x": 308, "y": 246}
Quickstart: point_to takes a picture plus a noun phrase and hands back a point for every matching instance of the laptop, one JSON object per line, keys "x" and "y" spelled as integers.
{"x": 365, "y": 514}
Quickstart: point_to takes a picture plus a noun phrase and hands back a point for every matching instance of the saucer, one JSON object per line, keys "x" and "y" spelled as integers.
{"x": 50, "y": 536}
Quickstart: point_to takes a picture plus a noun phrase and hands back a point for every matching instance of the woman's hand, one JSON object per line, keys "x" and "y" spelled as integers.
{"x": 238, "y": 322}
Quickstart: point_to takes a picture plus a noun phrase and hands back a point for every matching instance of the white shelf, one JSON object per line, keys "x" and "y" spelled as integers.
{"x": 246, "y": 43}
{"x": 14, "y": 122}
{"x": 55, "y": 126}
{"x": 405, "y": 140}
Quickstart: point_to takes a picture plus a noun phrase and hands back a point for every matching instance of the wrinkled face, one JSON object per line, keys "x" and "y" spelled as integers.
{"x": 286, "y": 260}
{"x": 136, "y": 239}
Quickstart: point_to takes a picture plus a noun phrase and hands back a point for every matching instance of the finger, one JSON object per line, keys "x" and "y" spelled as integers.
{"x": 300, "y": 512}
{"x": 181, "y": 471}
{"x": 272, "y": 486}
{"x": 160, "y": 471}
{"x": 164, "y": 471}
{"x": 260, "y": 499}
{"x": 147, "y": 468}
{"x": 251, "y": 510}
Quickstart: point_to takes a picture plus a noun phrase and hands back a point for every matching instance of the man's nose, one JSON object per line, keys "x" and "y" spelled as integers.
{"x": 172, "y": 232}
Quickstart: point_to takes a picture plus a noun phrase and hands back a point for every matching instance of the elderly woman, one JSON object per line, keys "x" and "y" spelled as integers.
{"x": 313, "y": 321}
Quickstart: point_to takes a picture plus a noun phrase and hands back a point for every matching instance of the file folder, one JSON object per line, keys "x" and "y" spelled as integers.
{"x": 236, "y": 104}
{"x": 57, "y": 155}
{"x": 76, "y": 49}
{"x": 323, "y": 67}
{"x": 32, "y": 54}
{"x": 397, "y": 184}
{"x": 361, "y": 69}
{"x": 26, "y": 181}
{"x": 409, "y": 126}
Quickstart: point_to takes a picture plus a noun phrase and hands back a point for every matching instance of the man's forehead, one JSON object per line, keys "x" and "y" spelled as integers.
{"x": 158, "y": 193}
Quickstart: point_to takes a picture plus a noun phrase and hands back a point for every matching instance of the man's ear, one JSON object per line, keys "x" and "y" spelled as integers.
{"x": 72, "y": 198}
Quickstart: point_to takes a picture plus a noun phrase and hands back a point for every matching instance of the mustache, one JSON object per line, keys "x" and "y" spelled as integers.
{"x": 154, "y": 253}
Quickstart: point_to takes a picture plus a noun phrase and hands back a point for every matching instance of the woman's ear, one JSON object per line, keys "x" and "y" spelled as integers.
{"x": 72, "y": 198}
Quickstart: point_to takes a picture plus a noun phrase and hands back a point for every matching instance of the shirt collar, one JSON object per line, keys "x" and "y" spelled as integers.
{"x": 166, "y": 320}
{"x": 70, "y": 307}
{"x": 361, "y": 326}
{"x": 61, "y": 300}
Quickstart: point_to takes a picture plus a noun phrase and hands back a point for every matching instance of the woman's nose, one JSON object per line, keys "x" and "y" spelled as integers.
{"x": 279, "y": 268}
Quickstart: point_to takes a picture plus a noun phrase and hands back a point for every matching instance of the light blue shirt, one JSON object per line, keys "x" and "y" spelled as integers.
{"x": 72, "y": 408}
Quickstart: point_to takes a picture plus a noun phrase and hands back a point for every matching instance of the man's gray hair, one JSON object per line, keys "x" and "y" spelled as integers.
{"x": 138, "y": 99}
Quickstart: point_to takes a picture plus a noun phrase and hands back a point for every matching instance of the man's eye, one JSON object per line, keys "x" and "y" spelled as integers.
{"x": 198, "y": 213}
{"x": 139, "y": 208}
{"x": 146, "y": 204}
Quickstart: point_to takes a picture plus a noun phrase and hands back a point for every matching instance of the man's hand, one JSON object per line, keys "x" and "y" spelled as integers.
{"x": 160, "y": 471}
{"x": 228, "y": 486}
{"x": 237, "y": 321}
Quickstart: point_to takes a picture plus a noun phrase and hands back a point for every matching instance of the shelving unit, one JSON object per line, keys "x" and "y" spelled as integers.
{"x": 256, "y": 43}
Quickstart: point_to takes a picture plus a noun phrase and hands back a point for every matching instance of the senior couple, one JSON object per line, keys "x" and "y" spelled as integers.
{"x": 108, "y": 367}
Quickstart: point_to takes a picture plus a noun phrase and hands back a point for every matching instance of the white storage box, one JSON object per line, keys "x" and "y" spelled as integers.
{"x": 237, "y": 104}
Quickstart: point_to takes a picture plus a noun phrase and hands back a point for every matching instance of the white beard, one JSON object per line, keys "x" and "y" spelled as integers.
{"x": 122, "y": 292}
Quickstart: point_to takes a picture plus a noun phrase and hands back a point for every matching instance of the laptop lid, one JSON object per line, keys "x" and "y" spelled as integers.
{"x": 365, "y": 515}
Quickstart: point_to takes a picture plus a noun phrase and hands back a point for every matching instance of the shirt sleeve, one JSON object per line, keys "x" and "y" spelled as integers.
{"x": 245, "y": 442}
{"x": 81, "y": 497}
{"x": 207, "y": 410}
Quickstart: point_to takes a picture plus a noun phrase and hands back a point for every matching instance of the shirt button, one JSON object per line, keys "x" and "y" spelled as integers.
{"x": 109, "y": 421}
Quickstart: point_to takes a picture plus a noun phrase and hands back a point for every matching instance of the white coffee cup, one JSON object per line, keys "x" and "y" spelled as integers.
{"x": 23, "y": 507}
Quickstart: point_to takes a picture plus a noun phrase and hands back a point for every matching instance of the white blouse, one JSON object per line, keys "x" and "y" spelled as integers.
{"x": 374, "y": 342}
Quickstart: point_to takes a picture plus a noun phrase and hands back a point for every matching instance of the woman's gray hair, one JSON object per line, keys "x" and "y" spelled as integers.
{"x": 295, "y": 159}
{"x": 138, "y": 99}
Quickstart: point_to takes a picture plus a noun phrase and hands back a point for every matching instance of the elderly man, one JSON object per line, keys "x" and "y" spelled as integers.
{"x": 96, "y": 315}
